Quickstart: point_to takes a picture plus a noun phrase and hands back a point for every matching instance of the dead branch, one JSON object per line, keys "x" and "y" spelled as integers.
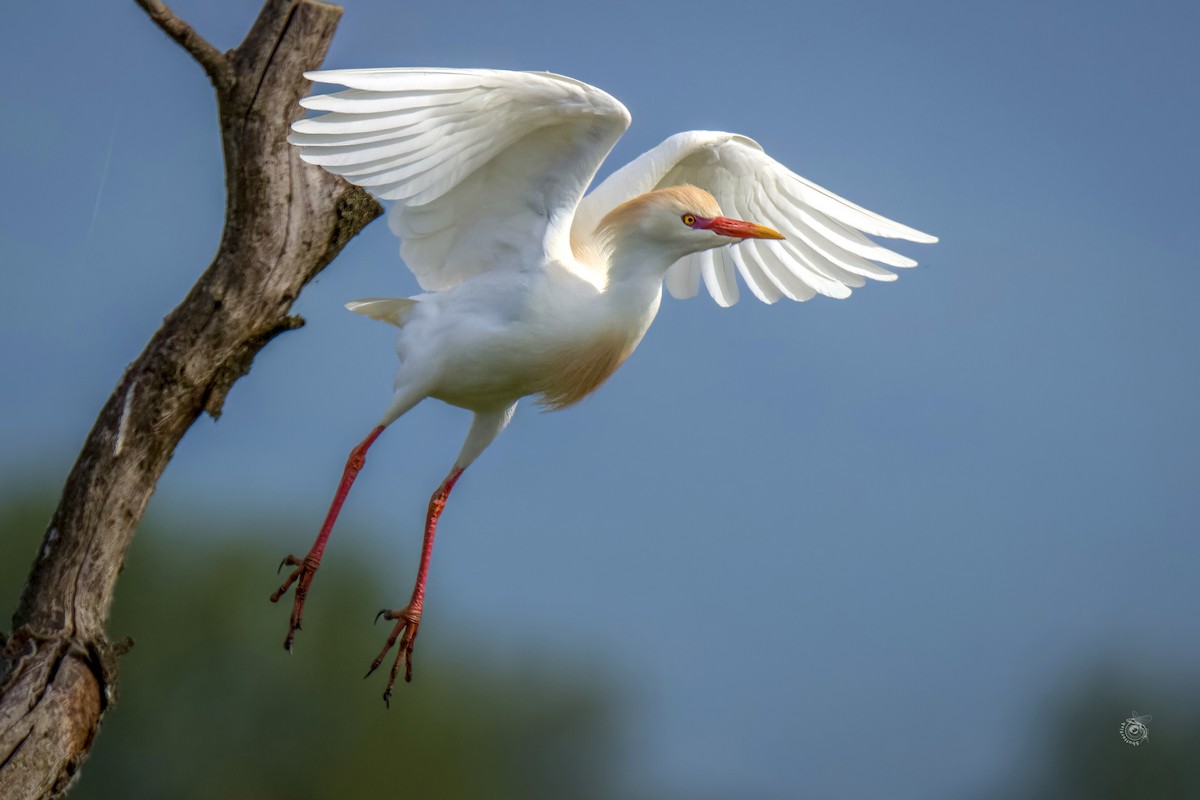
{"x": 285, "y": 221}
{"x": 206, "y": 55}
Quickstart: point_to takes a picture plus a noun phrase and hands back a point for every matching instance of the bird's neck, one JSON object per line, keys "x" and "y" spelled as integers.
{"x": 633, "y": 290}
{"x": 634, "y": 261}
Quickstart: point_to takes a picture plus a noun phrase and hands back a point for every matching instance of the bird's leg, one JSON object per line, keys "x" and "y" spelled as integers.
{"x": 484, "y": 428}
{"x": 306, "y": 568}
{"x": 408, "y": 619}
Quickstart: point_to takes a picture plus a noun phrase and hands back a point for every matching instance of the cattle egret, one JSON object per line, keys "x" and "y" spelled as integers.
{"x": 533, "y": 288}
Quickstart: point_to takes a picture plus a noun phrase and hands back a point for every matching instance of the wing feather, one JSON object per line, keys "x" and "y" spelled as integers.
{"x": 826, "y": 250}
{"x": 357, "y": 101}
{"x": 413, "y": 141}
{"x": 486, "y": 167}
{"x": 718, "y": 277}
{"x": 317, "y": 131}
{"x": 750, "y": 267}
{"x": 797, "y": 223}
{"x": 683, "y": 278}
{"x": 847, "y": 238}
{"x": 795, "y": 256}
{"x": 392, "y": 79}
{"x": 754, "y": 273}
{"x": 785, "y": 273}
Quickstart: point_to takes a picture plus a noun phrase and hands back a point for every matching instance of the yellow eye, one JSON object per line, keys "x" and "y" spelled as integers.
{"x": 689, "y": 220}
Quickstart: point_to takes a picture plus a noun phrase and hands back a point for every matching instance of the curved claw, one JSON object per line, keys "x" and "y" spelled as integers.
{"x": 301, "y": 566}
{"x": 288, "y": 559}
{"x": 304, "y": 571}
{"x": 407, "y": 623}
{"x": 382, "y": 611}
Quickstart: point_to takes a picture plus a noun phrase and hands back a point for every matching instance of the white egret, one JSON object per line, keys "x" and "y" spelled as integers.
{"x": 532, "y": 287}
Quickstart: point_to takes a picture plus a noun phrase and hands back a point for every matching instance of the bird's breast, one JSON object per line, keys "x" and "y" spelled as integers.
{"x": 572, "y": 372}
{"x": 560, "y": 341}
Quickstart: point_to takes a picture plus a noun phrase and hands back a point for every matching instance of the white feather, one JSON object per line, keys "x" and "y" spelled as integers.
{"x": 825, "y": 250}
{"x": 683, "y": 278}
{"x": 486, "y": 167}
{"x": 718, "y": 277}
{"x": 392, "y": 310}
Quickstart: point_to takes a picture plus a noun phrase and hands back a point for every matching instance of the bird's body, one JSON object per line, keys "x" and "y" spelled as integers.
{"x": 498, "y": 337}
{"x": 533, "y": 286}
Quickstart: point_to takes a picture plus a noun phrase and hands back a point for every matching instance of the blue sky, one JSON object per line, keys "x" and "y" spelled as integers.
{"x": 790, "y": 533}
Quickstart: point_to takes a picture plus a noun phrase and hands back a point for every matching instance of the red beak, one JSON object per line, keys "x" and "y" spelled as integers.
{"x": 740, "y": 229}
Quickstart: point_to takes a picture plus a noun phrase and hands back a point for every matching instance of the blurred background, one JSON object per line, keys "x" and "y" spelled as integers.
{"x": 937, "y": 540}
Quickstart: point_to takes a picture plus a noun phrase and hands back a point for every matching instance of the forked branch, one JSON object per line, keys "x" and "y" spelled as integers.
{"x": 209, "y": 57}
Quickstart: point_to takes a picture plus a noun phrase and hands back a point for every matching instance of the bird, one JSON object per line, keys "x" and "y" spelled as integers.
{"x": 534, "y": 286}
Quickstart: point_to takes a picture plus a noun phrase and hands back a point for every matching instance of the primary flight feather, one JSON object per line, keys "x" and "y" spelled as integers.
{"x": 532, "y": 287}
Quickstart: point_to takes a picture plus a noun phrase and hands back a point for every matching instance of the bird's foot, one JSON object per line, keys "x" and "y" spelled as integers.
{"x": 408, "y": 619}
{"x": 302, "y": 576}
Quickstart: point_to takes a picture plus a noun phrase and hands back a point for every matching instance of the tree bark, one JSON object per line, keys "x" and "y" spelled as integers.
{"x": 285, "y": 221}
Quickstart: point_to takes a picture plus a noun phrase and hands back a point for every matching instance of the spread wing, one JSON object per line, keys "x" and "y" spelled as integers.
{"x": 485, "y": 167}
{"x": 824, "y": 252}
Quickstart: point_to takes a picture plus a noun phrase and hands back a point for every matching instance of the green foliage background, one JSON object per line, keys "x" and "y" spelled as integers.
{"x": 211, "y": 706}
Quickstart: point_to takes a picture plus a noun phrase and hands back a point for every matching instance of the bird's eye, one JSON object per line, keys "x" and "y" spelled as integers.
{"x": 689, "y": 220}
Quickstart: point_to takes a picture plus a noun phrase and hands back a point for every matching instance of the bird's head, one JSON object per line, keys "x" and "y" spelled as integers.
{"x": 678, "y": 221}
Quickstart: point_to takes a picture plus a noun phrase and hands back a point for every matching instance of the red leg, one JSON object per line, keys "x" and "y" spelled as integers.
{"x": 409, "y": 617}
{"x": 307, "y": 568}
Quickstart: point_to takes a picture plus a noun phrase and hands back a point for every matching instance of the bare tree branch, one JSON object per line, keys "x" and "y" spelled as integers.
{"x": 209, "y": 57}
{"x": 285, "y": 221}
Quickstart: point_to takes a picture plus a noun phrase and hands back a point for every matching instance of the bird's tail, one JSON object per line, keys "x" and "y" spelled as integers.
{"x": 394, "y": 310}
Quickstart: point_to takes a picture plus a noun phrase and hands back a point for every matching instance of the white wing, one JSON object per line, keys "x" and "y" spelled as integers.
{"x": 824, "y": 251}
{"x": 486, "y": 167}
